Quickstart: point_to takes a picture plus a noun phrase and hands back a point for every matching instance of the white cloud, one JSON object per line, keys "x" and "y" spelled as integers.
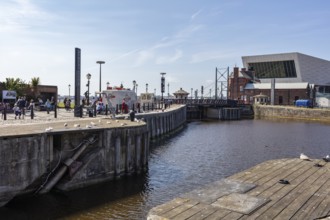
{"x": 167, "y": 42}
{"x": 187, "y": 32}
{"x": 169, "y": 59}
{"x": 19, "y": 15}
{"x": 144, "y": 56}
{"x": 124, "y": 55}
{"x": 211, "y": 55}
{"x": 195, "y": 14}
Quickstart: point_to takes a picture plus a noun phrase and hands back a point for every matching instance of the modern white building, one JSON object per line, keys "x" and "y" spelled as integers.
{"x": 291, "y": 70}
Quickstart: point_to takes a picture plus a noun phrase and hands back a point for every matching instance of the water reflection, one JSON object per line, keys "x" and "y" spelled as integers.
{"x": 203, "y": 152}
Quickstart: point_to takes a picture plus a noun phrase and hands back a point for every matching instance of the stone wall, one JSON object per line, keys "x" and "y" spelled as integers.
{"x": 168, "y": 121}
{"x": 269, "y": 111}
{"x": 69, "y": 159}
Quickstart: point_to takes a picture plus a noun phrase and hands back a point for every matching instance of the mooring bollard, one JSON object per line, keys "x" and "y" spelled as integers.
{"x": 31, "y": 112}
{"x": 55, "y": 111}
{"x": 132, "y": 115}
{"x": 4, "y": 112}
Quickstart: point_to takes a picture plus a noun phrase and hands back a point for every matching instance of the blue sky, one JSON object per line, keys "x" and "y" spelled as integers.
{"x": 138, "y": 40}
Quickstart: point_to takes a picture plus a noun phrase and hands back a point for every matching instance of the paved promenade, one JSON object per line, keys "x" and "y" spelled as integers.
{"x": 43, "y": 122}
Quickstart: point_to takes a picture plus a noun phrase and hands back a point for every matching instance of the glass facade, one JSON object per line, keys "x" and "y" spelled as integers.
{"x": 276, "y": 69}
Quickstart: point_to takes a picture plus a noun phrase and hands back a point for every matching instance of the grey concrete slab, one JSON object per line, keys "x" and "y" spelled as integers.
{"x": 241, "y": 203}
{"x": 213, "y": 191}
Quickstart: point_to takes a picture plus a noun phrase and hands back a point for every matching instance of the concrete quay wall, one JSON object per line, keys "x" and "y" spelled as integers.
{"x": 70, "y": 158}
{"x": 166, "y": 122}
{"x": 291, "y": 112}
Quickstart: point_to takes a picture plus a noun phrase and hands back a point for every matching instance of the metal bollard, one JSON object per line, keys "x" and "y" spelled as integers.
{"x": 55, "y": 111}
{"x": 4, "y": 114}
{"x": 32, "y": 113}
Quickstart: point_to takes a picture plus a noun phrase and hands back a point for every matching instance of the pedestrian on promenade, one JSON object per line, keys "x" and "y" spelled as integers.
{"x": 48, "y": 106}
{"x": 68, "y": 104}
{"x": 21, "y": 103}
{"x": 31, "y": 107}
{"x": 52, "y": 103}
{"x": 17, "y": 111}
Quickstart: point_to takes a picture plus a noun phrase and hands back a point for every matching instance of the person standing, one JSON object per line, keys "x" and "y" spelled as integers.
{"x": 17, "y": 111}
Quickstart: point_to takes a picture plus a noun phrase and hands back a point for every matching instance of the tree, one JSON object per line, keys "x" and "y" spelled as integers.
{"x": 35, "y": 81}
{"x": 17, "y": 85}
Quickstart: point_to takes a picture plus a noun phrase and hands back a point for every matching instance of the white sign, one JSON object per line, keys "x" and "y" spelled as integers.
{"x": 7, "y": 94}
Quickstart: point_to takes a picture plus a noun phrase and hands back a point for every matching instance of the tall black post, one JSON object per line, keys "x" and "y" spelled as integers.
{"x": 162, "y": 85}
{"x": 77, "y": 82}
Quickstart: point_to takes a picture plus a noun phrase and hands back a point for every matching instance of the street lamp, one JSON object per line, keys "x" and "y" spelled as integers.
{"x": 69, "y": 89}
{"x": 100, "y": 62}
{"x": 168, "y": 90}
{"x": 146, "y": 87}
{"x": 191, "y": 92}
{"x": 88, "y": 76}
{"x": 162, "y": 84}
{"x": 134, "y": 84}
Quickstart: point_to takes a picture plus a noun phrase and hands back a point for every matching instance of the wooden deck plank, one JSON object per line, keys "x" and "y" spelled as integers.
{"x": 283, "y": 202}
{"x": 232, "y": 216}
{"x": 190, "y": 212}
{"x": 307, "y": 210}
{"x": 159, "y": 210}
{"x": 179, "y": 209}
{"x": 292, "y": 208}
{"x": 204, "y": 213}
{"x": 275, "y": 170}
{"x": 316, "y": 205}
{"x": 323, "y": 209}
{"x": 271, "y": 187}
{"x": 306, "y": 197}
{"x": 254, "y": 171}
{"x": 219, "y": 214}
{"x": 278, "y": 191}
{"x": 282, "y": 173}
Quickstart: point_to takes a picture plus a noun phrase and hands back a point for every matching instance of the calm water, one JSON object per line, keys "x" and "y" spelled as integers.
{"x": 203, "y": 152}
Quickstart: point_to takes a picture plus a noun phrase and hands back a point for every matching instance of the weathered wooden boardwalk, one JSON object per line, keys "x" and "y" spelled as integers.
{"x": 275, "y": 189}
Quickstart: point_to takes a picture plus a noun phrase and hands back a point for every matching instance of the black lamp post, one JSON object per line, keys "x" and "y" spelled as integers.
{"x": 69, "y": 90}
{"x": 146, "y": 87}
{"x": 88, "y": 76}
{"x": 100, "y": 62}
{"x": 134, "y": 84}
{"x": 162, "y": 84}
{"x": 191, "y": 93}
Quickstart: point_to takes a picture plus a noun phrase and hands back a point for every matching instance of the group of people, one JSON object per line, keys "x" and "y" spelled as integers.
{"x": 20, "y": 105}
